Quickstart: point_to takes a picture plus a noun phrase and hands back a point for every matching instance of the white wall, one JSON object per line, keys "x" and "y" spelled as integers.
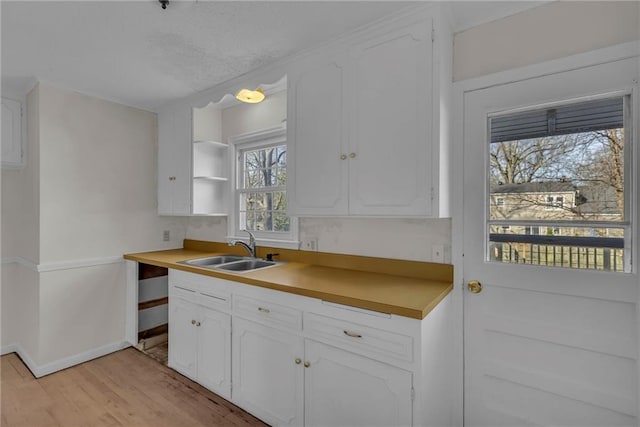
{"x": 21, "y": 194}
{"x": 19, "y": 296}
{"x": 554, "y": 30}
{"x": 86, "y": 196}
{"x": 81, "y": 309}
{"x": 410, "y": 239}
{"x": 98, "y": 175}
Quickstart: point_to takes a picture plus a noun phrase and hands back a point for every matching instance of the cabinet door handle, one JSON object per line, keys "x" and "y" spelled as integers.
{"x": 193, "y": 322}
{"x": 264, "y": 310}
{"x": 352, "y": 334}
{"x": 197, "y": 323}
{"x": 298, "y": 361}
{"x": 307, "y": 364}
{"x": 343, "y": 157}
{"x": 352, "y": 155}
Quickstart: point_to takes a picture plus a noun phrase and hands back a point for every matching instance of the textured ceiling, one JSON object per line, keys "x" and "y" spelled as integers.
{"x": 135, "y": 53}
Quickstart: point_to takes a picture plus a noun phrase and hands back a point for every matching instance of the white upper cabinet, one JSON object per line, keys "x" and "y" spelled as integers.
{"x": 362, "y": 128}
{"x": 174, "y": 140}
{"x": 317, "y": 171}
{"x": 12, "y": 142}
{"x": 367, "y": 127}
{"x": 192, "y": 162}
{"x": 390, "y": 148}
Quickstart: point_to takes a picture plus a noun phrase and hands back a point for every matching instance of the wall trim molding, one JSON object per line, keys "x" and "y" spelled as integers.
{"x": 62, "y": 265}
{"x": 20, "y": 261}
{"x": 60, "y": 364}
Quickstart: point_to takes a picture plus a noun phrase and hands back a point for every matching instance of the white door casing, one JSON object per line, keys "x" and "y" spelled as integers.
{"x": 543, "y": 346}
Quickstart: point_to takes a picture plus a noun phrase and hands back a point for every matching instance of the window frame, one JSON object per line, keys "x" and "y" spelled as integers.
{"x": 628, "y": 223}
{"x": 238, "y": 145}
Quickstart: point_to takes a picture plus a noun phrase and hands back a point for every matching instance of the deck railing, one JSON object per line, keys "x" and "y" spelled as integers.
{"x": 592, "y": 253}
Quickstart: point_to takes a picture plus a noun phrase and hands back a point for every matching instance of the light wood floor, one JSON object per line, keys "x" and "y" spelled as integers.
{"x": 125, "y": 388}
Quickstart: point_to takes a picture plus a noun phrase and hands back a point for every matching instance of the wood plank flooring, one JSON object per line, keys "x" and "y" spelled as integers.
{"x": 125, "y": 388}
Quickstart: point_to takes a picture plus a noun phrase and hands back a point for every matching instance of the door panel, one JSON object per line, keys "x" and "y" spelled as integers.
{"x": 343, "y": 388}
{"x": 267, "y": 381}
{"x": 392, "y": 124}
{"x": 214, "y": 351}
{"x": 543, "y": 345}
{"x": 317, "y": 140}
{"x": 182, "y": 337}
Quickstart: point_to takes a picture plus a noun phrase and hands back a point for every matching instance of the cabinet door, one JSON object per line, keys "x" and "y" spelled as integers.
{"x": 344, "y": 389}
{"x": 214, "y": 351}
{"x": 183, "y": 337}
{"x": 267, "y": 381}
{"x": 316, "y": 138}
{"x": 174, "y": 159}
{"x": 391, "y": 141}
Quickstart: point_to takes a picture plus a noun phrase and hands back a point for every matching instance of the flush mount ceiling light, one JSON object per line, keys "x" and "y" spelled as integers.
{"x": 250, "y": 96}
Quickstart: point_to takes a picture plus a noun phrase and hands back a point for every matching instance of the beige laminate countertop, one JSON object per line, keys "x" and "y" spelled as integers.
{"x": 406, "y": 288}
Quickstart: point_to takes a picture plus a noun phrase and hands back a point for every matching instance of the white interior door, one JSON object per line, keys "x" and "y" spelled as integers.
{"x": 544, "y": 345}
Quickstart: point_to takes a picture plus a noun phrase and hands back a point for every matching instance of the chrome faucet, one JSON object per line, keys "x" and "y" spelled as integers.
{"x": 251, "y": 247}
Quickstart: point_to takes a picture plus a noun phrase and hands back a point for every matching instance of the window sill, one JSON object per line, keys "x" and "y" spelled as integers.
{"x": 272, "y": 243}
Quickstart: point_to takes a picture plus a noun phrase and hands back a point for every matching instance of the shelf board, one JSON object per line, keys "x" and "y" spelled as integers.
{"x": 214, "y": 143}
{"x": 211, "y": 178}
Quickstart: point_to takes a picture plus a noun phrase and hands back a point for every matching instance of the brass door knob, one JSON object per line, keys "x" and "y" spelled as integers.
{"x": 307, "y": 364}
{"x": 298, "y": 361}
{"x": 474, "y": 286}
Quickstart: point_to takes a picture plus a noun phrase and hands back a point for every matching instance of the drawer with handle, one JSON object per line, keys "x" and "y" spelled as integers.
{"x": 268, "y": 312}
{"x": 184, "y": 290}
{"x": 214, "y": 299}
{"x": 359, "y": 338}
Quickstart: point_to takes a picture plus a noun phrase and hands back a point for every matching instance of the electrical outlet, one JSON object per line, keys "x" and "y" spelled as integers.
{"x": 309, "y": 244}
{"x": 437, "y": 253}
{"x": 165, "y": 236}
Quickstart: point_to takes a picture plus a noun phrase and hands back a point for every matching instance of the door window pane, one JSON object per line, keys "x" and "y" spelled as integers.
{"x": 559, "y": 182}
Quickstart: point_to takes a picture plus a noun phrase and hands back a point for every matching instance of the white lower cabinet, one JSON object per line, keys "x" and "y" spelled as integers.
{"x": 200, "y": 345}
{"x": 278, "y": 376}
{"x": 345, "y": 389}
{"x": 298, "y": 361}
{"x": 267, "y": 372}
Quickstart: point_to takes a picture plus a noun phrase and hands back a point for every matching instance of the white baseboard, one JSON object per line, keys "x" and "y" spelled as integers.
{"x": 10, "y": 348}
{"x": 60, "y": 364}
{"x": 16, "y": 348}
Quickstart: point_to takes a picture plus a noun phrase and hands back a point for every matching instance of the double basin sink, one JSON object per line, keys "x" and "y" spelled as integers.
{"x": 230, "y": 263}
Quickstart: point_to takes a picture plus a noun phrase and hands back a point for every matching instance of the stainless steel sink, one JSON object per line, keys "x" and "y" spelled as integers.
{"x": 212, "y": 260}
{"x": 230, "y": 263}
{"x": 246, "y": 265}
